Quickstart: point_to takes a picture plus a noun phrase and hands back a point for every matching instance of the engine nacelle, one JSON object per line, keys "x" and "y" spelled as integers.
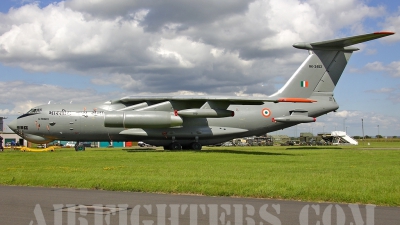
{"x": 206, "y": 113}
{"x": 141, "y": 119}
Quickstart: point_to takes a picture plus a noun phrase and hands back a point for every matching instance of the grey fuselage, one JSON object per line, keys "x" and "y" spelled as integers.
{"x": 85, "y": 122}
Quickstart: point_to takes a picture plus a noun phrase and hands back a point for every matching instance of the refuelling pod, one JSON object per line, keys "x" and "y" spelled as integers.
{"x": 141, "y": 119}
{"x": 296, "y": 116}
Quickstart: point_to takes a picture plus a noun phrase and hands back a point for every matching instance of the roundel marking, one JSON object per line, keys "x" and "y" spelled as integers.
{"x": 265, "y": 112}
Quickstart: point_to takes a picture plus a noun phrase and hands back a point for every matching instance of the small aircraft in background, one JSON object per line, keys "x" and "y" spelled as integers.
{"x": 189, "y": 122}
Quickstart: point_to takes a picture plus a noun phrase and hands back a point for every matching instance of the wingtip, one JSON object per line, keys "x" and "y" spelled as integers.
{"x": 384, "y": 32}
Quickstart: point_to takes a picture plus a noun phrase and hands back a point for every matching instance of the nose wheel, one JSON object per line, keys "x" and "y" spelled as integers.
{"x": 79, "y": 146}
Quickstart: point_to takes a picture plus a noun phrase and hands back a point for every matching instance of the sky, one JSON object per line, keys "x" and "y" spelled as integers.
{"x": 99, "y": 50}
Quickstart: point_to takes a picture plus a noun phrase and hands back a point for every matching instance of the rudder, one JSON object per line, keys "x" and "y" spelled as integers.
{"x": 322, "y": 69}
{"x": 305, "y": 80}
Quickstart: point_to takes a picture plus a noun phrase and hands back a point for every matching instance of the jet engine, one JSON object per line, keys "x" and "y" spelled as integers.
{"x": 142, "y": 119}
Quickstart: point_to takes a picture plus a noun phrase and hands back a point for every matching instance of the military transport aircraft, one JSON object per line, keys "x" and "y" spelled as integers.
{"x": 189, "y": 122}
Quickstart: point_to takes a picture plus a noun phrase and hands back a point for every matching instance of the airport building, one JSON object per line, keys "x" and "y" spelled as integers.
{"x": 8, "y": 138}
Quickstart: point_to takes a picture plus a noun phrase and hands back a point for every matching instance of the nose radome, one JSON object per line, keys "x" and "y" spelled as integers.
{"x": 13, "y": 125}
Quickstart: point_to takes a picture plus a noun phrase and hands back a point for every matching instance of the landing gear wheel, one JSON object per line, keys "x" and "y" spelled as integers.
{"x": 186, "y": 147}
{"x": 196, "y": 146}
{"x": 79, "y": 147}
{"x": 175, "y": 146}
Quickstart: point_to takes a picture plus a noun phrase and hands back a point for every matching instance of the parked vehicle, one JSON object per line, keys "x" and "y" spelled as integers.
{"x": 142, "y": 144}
{"x": 70, "y": 144}
{"x": 87, "y": 144}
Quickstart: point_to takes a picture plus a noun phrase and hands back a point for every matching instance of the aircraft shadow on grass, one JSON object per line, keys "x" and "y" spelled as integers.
{"x": 215, "y": 151}
{"x": 244, "y": 152}
{"x": 312, "y": 148}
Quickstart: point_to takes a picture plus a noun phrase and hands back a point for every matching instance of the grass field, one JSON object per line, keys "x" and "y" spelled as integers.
{"x": 363, "y": 174}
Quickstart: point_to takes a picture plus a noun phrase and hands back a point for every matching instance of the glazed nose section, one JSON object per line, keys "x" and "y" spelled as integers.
{"x": 13, "y": 125}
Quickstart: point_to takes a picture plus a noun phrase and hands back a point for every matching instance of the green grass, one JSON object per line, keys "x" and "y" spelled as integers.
{"x": 333, "y": 174}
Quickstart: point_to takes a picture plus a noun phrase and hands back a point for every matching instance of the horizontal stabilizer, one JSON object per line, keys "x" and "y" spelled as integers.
{"x": 342, "y": 43}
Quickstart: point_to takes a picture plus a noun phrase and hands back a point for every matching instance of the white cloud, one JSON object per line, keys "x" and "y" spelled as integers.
{"x": 346, "y": 114}
{"x": 352, "y": 121}
{"x": 56, "y": 38}
{"x": 140, "y": 39}
{"x": 383, "y": 90}
{"x": 23, "y": 95}
{"x": 392, "y": 23}
{"x": 393, "y": 68}
{"x": 124, "y": 81}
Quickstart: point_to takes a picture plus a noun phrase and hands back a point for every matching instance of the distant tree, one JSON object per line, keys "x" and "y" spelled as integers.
{"x": 394, "y": 136}
{"x": 379, "y": 136}
{"x": 357, "y": 137}
{"x": 367, "y": 137}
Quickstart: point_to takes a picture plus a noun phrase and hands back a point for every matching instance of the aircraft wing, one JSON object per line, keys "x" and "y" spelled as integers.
{"x": 152, "y": 112}
{"x": 238, "y": 100}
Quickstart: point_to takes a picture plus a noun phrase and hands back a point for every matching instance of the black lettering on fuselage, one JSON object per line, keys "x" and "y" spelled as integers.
{"x": 64, "y": 112}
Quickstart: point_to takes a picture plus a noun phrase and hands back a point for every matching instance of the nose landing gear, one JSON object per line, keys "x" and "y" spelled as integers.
{"x": 79, "y": 146}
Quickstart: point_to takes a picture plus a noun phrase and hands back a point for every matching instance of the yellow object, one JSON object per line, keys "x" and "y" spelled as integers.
{"x": 15, "y": 148}
{"x": 49, "y": 149}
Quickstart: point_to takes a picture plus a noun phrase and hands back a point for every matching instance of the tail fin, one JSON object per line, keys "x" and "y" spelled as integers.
{"x": 322, "y": 69}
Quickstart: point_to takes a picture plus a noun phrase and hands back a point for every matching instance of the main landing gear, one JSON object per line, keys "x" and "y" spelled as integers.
{"x": 174, "y": 145}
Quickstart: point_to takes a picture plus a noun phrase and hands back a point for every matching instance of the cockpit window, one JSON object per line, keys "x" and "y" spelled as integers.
{"x": 34, "y": 111}
{"x": 31, "y": 112}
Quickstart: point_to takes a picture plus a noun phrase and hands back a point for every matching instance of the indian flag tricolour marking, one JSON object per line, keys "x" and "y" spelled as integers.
{"x": 304, "y": 83}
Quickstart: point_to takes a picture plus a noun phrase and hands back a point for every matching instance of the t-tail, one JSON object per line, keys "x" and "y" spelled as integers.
{"x": 321, "y": 71}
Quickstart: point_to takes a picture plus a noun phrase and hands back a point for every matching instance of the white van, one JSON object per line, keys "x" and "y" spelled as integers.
{"x": 70, "y": 144}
